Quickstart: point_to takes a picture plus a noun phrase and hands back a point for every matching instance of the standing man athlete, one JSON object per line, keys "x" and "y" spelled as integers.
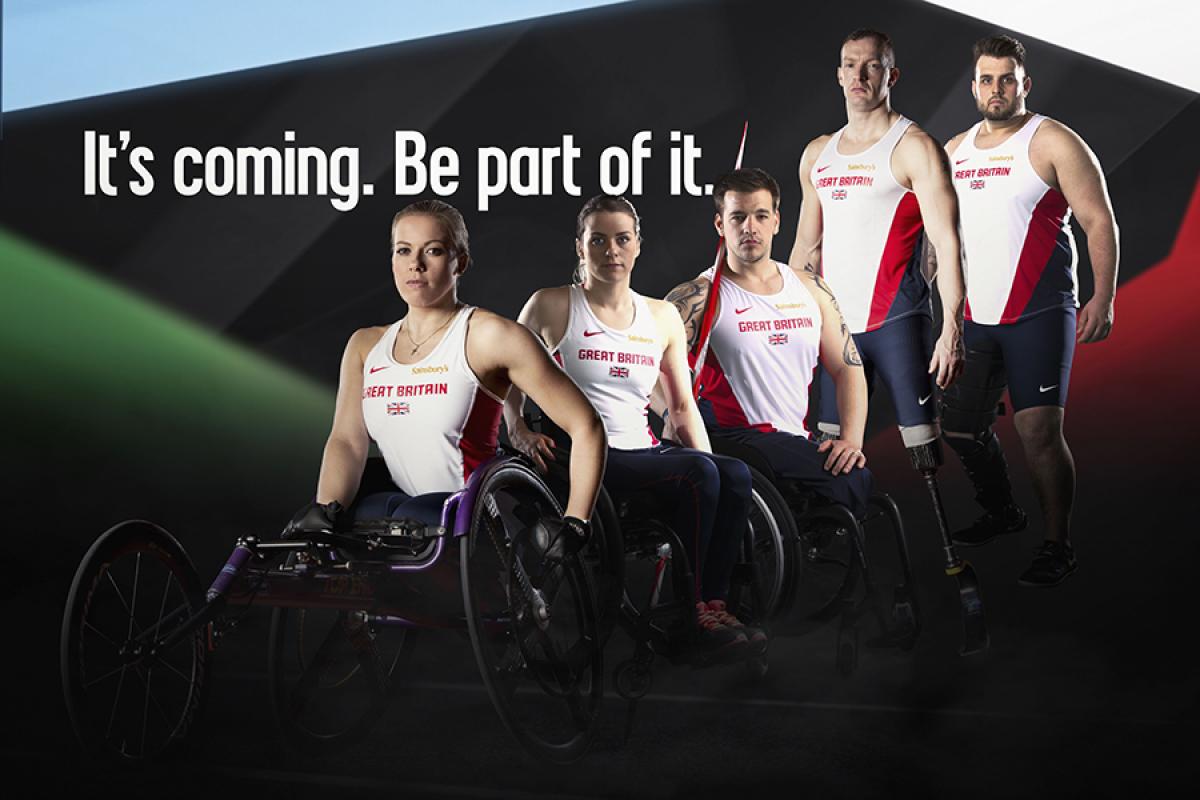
{"x": 869, "y": 191}
{"x": 1019, "y": 176}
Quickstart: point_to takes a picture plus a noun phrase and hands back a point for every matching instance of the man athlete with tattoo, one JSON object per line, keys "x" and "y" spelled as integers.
{"x": 771, "y": 328}
{"x": 1019, "y": 176}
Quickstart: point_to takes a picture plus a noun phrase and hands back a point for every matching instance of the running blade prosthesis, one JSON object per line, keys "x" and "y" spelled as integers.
{"x": 975, "y": 631}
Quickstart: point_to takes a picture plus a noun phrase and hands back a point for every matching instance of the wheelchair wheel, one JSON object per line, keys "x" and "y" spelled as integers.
{"x": 830, "y": 566}
{"x": 604, "y": 555}
{"x": 771, "y": 547}
{"x": 532, "y": 621}
{"x": 331, "y": 674}
{"x": 127, "y": 695}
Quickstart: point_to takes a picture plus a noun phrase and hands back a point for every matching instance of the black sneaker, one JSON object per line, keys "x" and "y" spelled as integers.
{"x": 1010, "y": 519}
{"x": 1051, "y": 566}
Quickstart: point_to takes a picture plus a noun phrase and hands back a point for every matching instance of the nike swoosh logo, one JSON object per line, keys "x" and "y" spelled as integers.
{"x": 822, "y": 169}
{"x": 373, "y": 370}
{"x": 965, "y": 160}
{"x": 592, "y": 333}
{"x": 742, "y": 310}
{"x": 923, "y": 400}
{"x": 1046, "y": 388}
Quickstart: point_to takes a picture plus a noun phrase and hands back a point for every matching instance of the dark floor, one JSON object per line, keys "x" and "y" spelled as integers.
{"x": 1087, "y": 689}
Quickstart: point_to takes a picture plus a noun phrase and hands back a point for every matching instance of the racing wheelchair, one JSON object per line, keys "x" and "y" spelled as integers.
{"x": 139, "y": 626}
{"x": 644, "y": 581}
{"x": 832, "y": 571}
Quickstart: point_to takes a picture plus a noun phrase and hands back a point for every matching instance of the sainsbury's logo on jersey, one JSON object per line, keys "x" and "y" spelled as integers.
{"x": 786, "y": 306}
{"x": 1000, "y": 158}
{"x": 642, "y": 339}
{"x": 398, "y": 409}
{"x": 618, "y": 372}
{"x": 870, "y": 167}
{"x": 430, "y": 370}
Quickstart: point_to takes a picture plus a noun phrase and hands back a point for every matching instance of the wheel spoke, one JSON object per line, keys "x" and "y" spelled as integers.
{"x": 175, "y": 669}
{"x": 112, "y": 715}
{"x": 120, "y": 594}
{"x": 105, "y": 676}
{"x": 101, "y": 634}
{"x": 162, "y": 606}
{"x": 137, "y": 571}
{"x": 145, "y": 710}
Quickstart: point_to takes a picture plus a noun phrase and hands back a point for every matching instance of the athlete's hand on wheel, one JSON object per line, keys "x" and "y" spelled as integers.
{"x": 537, "y": 446}
{"x": 949, "y": 356}
{"x": 1095, "y": 321}
{"x": 843, "y": 455}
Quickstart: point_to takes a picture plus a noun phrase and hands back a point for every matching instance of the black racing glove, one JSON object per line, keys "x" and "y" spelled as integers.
{"x": 567, "y": 537}
{"x": 315, "y": 518}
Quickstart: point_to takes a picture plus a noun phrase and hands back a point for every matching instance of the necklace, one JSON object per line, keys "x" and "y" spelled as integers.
{"x": 417, "y": 345}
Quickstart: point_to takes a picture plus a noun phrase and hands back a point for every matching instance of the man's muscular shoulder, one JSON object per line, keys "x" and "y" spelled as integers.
{"x": 811, "y": 151}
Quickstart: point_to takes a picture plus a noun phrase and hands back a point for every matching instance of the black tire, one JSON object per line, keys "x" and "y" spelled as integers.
{"x": 127, "y": 697}
{"x": 331, "y": 674}
{"x": 830, "y": 568}
{"x": 604, "y": 555}
{"x": 771, "y": 539}
{"x": 545, "y": 680}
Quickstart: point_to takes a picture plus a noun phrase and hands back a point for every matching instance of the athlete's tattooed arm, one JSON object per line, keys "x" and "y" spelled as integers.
{"x": 689, "y": 299}
{"x": 849, "y": 351}
{"x": 842, "y": 362}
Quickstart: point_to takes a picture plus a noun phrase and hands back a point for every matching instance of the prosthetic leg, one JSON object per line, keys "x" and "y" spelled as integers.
{"x": 984, "y": 461}
{"x": 925, "y": 451}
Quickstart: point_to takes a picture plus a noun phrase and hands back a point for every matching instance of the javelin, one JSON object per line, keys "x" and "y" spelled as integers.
{"x": 700, "y": 351}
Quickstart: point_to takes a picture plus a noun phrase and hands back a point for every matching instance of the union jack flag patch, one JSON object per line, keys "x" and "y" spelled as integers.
{"x": 778, "y": 338}
{"x": 977, "y": 184}
{"x": 397, "y": 409}
{"x": 618, "y": 372}
{"x": 839, "y": 194}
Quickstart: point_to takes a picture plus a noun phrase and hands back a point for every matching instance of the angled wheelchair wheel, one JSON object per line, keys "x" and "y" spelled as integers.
{"x": 532, "y": 621}
{"x": 130, "y": 694}
{"x": 830, "y": 564}
{"x": 771, "y": 548}
{"x": 331, "y": 674}
{"x": 604, "y": 554}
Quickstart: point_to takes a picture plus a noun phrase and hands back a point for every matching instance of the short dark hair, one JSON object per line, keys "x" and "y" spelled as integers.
{"x": 611, "y": 203}
{"x": 1000, "y": 45}
{"x": 748, "y": 180}
{"x": 887, "y": 49}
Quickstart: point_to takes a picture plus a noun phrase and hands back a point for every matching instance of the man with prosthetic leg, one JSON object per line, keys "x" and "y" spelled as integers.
{"x": 872, "y": 192}
{"x": 1030, "y": 173}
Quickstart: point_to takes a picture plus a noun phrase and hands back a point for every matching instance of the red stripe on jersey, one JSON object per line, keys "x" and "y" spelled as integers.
{"x": 897, "y": 254}
{"x": 649, "y": 430}
{"x": 479, "y": 437}
{"x": 728, "y": 410}
{"x": 967, "y": 308}
{"x": 1044, "y": 226}
{"x": 558, "y": 358}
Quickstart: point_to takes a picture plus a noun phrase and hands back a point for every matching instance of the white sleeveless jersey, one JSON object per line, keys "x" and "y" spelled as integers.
{"x": 761, "y": 356}
{"x": 871, "y": 240}
{"x": 615, "y": 369}
{"x": 1019, "y": 255}
{"x": 433, "y": 421}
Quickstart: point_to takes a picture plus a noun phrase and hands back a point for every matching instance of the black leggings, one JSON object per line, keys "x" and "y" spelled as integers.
{"x": 705, "y": 499}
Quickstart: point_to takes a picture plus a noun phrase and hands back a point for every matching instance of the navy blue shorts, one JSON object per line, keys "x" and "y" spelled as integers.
{"x": 396, "y": 504}
{"x": 899, "y": 352}
{"x": 1031, "y": 356}
{"x": 796, "y": 458}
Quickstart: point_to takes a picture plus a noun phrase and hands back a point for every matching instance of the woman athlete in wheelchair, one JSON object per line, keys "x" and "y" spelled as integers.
{"x": 616, "y": 344}
{"x": 350, "y": 587}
